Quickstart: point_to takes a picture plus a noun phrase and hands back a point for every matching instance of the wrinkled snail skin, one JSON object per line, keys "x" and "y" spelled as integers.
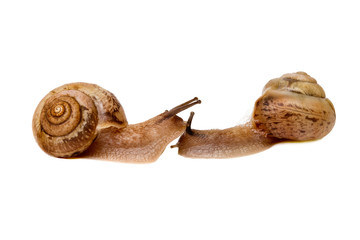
{"x": 292, "y": 107}
{"x": 232, "y": 142}
{"x": 85, "y": 120}
{"x": 143, "y": 142}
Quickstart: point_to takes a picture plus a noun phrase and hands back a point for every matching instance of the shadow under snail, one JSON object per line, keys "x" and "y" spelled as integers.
{"x": 82, "y": 119}
{"x": 292, "y": 107}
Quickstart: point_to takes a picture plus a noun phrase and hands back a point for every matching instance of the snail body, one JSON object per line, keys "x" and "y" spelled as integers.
{"x": 292, "y": 107}
{"x": 85, "y": 120}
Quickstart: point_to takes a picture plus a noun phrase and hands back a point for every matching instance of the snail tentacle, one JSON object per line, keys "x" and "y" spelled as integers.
{"x": 292, "y": 107}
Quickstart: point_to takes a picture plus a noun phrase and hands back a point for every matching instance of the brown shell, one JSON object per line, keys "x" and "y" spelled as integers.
{"x": 294, "y": 107}
{"x": 67, "y": 120}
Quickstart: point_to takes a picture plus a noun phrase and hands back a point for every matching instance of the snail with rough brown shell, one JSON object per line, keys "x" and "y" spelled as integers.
{"x": 82, "y": 119}
{"x": 292, "y": 107}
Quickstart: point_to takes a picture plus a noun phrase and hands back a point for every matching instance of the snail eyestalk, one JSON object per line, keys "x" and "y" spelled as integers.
{"x": 188, "y": 124}
{"x": 181, "y": 107}
{"x": 85, "y": 120}
{"x": 292, "y": 107}
{"x": 187, "y": 130}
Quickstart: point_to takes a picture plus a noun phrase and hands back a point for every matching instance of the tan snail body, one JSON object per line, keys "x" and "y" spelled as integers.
{"x": 82, "y": 119}
{"x": 292, "y": 107}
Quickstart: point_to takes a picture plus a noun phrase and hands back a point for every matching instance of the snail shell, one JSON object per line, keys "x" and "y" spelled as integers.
{"x": 292, "y": 107}
{"x": 66, "y": 120}
{"x": 83, "y": 118}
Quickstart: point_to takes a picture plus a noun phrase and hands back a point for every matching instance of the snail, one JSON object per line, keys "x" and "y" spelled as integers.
{"x": 292, "y": 107}
{"x": 83, "y": 119}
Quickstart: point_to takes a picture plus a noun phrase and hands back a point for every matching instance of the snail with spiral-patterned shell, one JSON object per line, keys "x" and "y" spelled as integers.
{"x": 292, "y": 107}
{"x": 85, "y": 120}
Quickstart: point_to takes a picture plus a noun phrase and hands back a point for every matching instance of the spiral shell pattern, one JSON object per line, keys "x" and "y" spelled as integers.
{"x": 65, "y": 123}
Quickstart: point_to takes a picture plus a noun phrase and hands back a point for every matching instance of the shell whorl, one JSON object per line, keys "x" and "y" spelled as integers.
{"x": 67, "y": 120}
{"x": 294, "y": 107}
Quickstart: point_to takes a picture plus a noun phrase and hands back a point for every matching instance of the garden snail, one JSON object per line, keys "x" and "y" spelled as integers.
{"x": 292, "y": 107}
{"x": 82, "y": 119}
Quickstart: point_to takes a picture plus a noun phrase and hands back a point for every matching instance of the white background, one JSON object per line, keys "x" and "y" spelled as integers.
{"x": 154, "y": 55}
